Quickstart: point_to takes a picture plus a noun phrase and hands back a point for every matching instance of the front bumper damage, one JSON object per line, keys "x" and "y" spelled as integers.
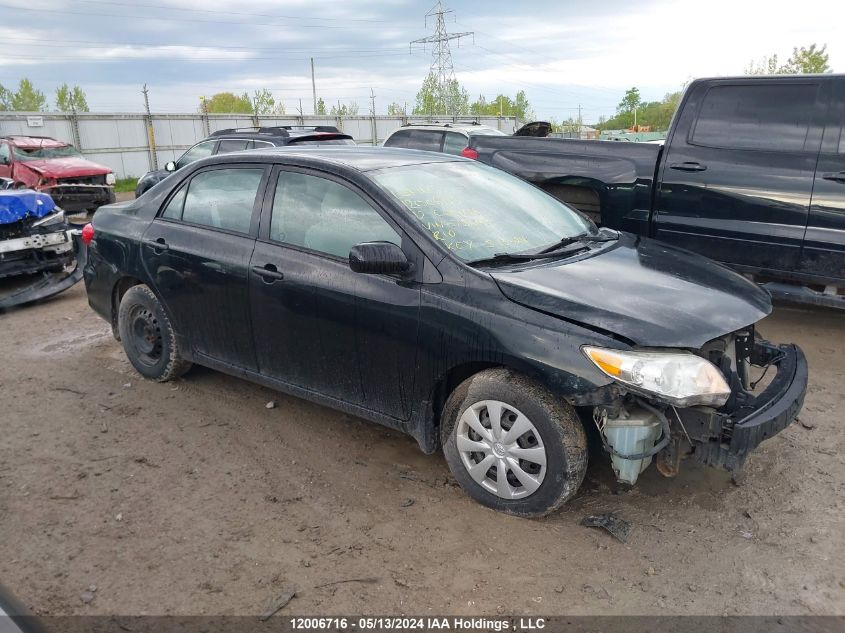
{"x": 720, "y": 438}
{"x": 76, "y": 197}
{"x": 725, "y": 439}
{"x": 51, "y": 281}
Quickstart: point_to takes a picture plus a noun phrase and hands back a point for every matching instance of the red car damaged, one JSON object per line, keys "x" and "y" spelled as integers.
{"x": 54, "y": 167}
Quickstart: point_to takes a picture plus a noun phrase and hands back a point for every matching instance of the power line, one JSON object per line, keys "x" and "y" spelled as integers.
{"x": 171, "y": 18}
{"x": 217, "y": 11}
{"x": 441, "y": 62}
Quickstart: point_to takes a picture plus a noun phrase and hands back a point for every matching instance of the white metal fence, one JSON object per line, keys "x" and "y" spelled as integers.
{"x": 132, "y": 144}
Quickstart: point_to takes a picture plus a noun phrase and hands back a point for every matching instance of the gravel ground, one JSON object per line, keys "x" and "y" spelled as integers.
{"x": 195, "y": 498}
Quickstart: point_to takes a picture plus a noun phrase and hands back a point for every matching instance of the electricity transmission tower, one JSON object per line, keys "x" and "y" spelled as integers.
{"x": 441, "y": 60}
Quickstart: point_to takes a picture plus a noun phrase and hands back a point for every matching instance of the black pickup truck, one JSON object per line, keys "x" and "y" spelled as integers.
{"x": 752, "y": 174}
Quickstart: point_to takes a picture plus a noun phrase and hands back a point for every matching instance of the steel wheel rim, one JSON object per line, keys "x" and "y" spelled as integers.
{"x": 501, "y": 449}
{"x": 145, "y": 335}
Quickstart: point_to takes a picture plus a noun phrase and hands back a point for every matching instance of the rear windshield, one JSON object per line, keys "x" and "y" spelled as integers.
{"x": 37, "y": 153}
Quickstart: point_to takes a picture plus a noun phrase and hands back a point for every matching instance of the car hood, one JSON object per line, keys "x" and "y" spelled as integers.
{"x": 65, "y": 167}
{"x": 645, "y": 291}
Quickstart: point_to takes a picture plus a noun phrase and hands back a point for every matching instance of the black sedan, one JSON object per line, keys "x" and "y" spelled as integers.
{"x": 448, "y": 300}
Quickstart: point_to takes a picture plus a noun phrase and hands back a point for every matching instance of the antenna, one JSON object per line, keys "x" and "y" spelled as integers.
{"x": 441, "y": 60}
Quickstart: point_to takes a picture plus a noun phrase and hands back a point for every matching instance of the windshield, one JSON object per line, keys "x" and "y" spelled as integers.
{"x": 37, "y": 153}
{"x": 477, "y": 211}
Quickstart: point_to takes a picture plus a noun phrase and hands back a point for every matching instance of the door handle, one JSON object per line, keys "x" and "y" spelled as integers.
{"x": 159, "y": 244}
{"x": 688, "y": 166}
{"x": 268, "y": 273}
{"x": 835, "y": 176}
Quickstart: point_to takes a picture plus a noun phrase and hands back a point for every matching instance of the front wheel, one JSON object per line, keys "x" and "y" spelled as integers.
{"x": 148, "y": 337}
{"x": 513, "y": 445}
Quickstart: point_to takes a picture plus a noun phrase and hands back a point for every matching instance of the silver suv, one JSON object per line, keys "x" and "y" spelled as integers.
{"x": 450, "y": 138}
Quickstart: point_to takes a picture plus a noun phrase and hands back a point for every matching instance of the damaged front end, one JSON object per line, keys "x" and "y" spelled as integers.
{"x": 40, "y": 255}
{"x": 732, "y": 413}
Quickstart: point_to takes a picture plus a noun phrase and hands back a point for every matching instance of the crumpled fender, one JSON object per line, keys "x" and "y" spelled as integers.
{"x": 50, "y": 284}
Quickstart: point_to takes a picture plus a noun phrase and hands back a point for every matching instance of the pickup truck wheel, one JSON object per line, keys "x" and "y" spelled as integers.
{"x": 148, "y": 337}
{"x": 512, "y": 445}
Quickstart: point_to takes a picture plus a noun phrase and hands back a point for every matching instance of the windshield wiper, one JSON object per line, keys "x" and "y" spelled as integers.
{"x": 515, "y": 258}
{"x": 604, "y": 235}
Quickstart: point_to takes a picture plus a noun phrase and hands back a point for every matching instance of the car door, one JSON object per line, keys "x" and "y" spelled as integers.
{"x": 824, "y": 242}
{"x": 317, "y": 324}
{"x": 738, "y": 172}
{"x": 197, "y": 254}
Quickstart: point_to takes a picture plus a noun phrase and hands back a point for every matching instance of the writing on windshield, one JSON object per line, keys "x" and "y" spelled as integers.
{"x": 476, "y": 211}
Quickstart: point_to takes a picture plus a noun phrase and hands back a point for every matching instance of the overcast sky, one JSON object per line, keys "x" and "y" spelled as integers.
{"x": 563, "y": 54}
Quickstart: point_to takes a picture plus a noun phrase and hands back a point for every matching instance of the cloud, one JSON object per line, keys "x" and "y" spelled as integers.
{"x": 564, "y": 55}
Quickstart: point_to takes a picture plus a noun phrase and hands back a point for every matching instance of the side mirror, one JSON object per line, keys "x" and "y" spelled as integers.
{"x": 4, "y": 160}
{"x": 171, "y": 166}
{"x": 378, "y": 258}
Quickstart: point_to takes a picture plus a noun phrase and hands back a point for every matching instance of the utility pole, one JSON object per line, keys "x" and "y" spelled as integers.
{"x": 441, "y": 61}
{"x": 373, "y": 116}
{"x": 151, "y": 137}
{"x": 579, "y": 120}
{"x": 313, "y": 86}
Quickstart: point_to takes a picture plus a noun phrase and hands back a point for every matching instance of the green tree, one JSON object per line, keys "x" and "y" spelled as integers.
{"x": 263, "y": 102}
{"x": 656, "y": 114}
{"x": 321, "y": 106}
{"x": 5, "y": 98}
{"x": 766, "y": 66}
{"x": 394, "y": 109}
{"x": 804, "y": 60}
{"x": 343, "y": 109}
{"x": 70, "y": 99}
{"x": 630, "y": 102}
{"x": 503, "y": 105}
{"x": 229, "y": 103}
{"x": 28, "y": 99}
{"x": 807, "y": 60}
{"x": 432, "y": 102}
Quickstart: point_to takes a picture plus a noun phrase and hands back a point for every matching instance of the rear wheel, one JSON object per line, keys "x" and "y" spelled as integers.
{"x": 512, "y": 445}
{"x": 148, "y": 337}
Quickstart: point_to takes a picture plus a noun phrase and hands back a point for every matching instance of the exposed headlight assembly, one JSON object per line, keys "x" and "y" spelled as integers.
{"x": 679, "y": 378}
{"x": 54, "y": 218}
{"x": 110, "y": 178}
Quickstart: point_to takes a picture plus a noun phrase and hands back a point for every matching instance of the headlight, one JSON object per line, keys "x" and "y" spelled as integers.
{"x": 109, "y": 178}
{"x": 678, "y": 378}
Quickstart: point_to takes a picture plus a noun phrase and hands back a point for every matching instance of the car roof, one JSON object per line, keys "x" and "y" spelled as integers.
{"x": 24, "y": 141}
{"x": 357, "y": 157}
{"x": 451, "y": 126}
{"x": 278, "y": 134}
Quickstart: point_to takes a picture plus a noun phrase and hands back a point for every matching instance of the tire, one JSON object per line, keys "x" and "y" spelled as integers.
{"x": 544, "y": 422}
{"x": 148, "y": 337}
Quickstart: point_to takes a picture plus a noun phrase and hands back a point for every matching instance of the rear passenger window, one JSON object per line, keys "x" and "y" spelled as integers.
{"x": 220, "y": 198}
{"x": 231, "y": 145}
{"x": 325, "y": 216}
{"x": 762, "y": 117}
{"x": 399, "y": 139}
{"x": 455, "y": 143}
{"x": 428, "y": 140}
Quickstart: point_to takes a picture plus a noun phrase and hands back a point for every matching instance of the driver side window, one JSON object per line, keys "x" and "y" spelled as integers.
{"x": 198, "y": 151}
{"x": 323, "y": 215}
{"x": 5, "y": 154}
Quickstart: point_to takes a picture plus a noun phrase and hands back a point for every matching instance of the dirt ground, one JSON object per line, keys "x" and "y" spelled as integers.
{"x": 195, "y": 498}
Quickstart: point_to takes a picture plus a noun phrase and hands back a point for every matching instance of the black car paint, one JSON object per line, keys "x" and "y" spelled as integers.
{"x": 777, "y": 214}
{"x": 390, "y": 347}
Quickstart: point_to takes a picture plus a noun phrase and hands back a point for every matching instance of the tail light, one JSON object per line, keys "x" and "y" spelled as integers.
{"x": 87, "y": 233}
{"x": 468, "y": 152}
